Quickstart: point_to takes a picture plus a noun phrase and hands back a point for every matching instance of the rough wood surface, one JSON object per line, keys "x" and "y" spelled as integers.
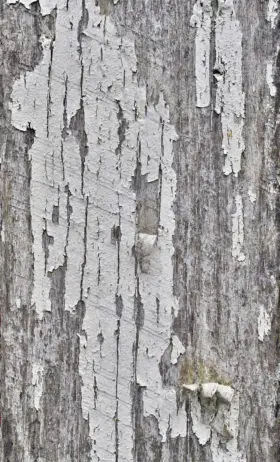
{"x": 139, "y": 261}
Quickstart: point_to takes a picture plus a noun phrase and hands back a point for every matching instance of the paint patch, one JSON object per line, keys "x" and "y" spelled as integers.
{"x": 92, "y": 101}
{"x": 46, "y": 5}
{"x": 211, "y": 389}
{"x": 264, "y": 323}
{"x": 238, "y": 230}
{"x": 229, "y": 96}
{"x": 270, "y": 79}
{"x": 37, "y": 382}
{"x": 177, "y": 349}
{"x": 145, "y": 246}
{"x": 272, "y": 12}
{"x": 215, "y": 419}
{"x": 252, "y": 196}
{"x": 201, "y": 20}
{"x": 2, "y": 233}
{"x": 53, "y": 181}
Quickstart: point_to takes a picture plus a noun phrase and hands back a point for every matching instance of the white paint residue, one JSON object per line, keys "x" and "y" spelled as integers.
{"x": 75, "y": 252}
{"x": 226, "y": 425}
{"x": 29, "y": 98}
{"x": 214, "y": 420}
{"x": 50, "y": 176}
{"x": 191, "y": 386}
{"x": 158, "y": 283}
{"x": 145, "y": 246}
{"x": 201, "y": 19}
{"x": 225, "y": 393}
{"x": 272, "y": 12}
{"x": 111, "y": 201}
{"x": 37, "y": 382}
{"x": 108, "y": 180}
{"x": 230, "y": 97}
{"x": 277, "y": 372}
{"x": 270, "y": 79}
{"x": 46, "y": 5}
{"x": 2, "y": 234}
{"x": 209, "y": 389}
{"x": 112, "y": 99}
{"x": 264, "y": 323}
{"x": 177, "y": 349}
{"x": 238, "y": 230}
{"x": 83, "y": 341}
{"x": 200, "y": 426}
{"x": 252, "y": 196}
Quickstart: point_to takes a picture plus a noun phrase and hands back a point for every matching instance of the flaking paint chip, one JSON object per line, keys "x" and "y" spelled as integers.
{"x": 208, "y": 390}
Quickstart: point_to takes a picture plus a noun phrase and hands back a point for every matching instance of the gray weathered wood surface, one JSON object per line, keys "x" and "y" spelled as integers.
{"x": 140, "y": 212}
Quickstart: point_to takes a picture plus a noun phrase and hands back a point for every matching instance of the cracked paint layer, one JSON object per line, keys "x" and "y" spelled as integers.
{"x": 201, "y": 20}
{"x": 100, "y": 215}
{"x": 215, "y": 417}
{"x": 37, "y": 382}
{"x": 238, "y": 230}
{"x": 270, "y": 79}
{"x": 264, "y": 323}
{"x": 229, "y": 96}
{"x": 53, "y": 181}
{"x": 272, "y": 12}
{"x": 252, "y": 196}
{"x": 46, "y": 6}
{"x": 98, "y": 155}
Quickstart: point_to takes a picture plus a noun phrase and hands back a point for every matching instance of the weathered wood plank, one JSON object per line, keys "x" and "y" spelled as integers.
{"x": 139, "y": 231}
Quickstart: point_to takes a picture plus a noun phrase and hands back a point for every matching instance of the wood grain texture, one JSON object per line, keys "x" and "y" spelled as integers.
{"x": 139, "y": 242}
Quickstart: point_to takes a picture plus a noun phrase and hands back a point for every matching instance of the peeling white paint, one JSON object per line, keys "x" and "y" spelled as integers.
{"x": 37, "y": 382}
{"x": 230, "y": 97}
{"x": 177, "y": 349}
{"x": 83, "y": 340}
{"x": 272, "y": 12}
{"x": 109, "y": 200}
{"x": 225, "y": 393}
{"x": 270, "y": 79}
{"x": 210, "y": 389}
{"x": 156, "y": 278}
{"x": 154, "y": 337}
{"x": 215, "y": 419}
{"x": 277, "y": 372}
{"x": 264, "y": 323}
{"x": 252, "y": 196}
{"x": 29, "y": 99}
{"x": 226, "y": 424}
{"x": 145, "y": 246}
{"x": 112, "y": 191}
{"x": 238, "y": 230}
{"x": 106, "y": 367}
{"x": 193, "y": 387}
{"x": 201, "y": 429}
{"x": 87, "y": 217}
{"x": 22, "y": 114}
{"x": 46, "y": 5}
{"x": 2, "y": 234}
{"x": 201, "y": 20}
